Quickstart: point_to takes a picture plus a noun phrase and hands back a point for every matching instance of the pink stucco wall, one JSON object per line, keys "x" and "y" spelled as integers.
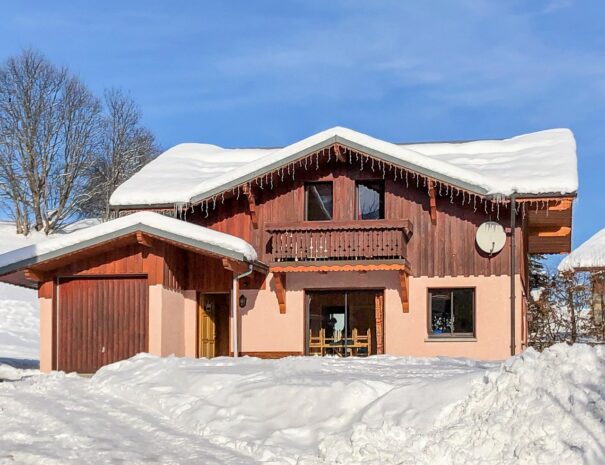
{"x": 264, "y": 329}
{"x": 171, "y": 331}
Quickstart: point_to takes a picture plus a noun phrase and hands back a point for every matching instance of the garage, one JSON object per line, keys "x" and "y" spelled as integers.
{"x": 100, "y": 320}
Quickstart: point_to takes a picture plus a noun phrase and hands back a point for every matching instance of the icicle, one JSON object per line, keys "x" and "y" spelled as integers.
{"x": 237, "y": 198}
{"x": 293, "y": 170}
{"x": 372, "y": 165}
{"x": 384, "y": 172}
{"x": 425, "y": 182}
{"x": 223, "y": 198}
{"x": 474, "y": 203}
{"x": 462, "y": 197}
{"x": 329, "y": 155}
{"x": 361, "y": 164}
{"x": 498, "y": 211}
{"x": 395, "y": 177}
{"x": 485, "y": 206}
{"x": 523, "y": 210}
{"x": 350, "y": 157}
{"x": 440, "y": 186}
{"x": 452, "y": 195}
{"x": 417, "y": 181}
{"x": 261, "y": 183}
{"x": 206, "y": 206}
{"x": 317, "y": 161}
{"x": 271, "y": 179}
{"x": 214, "y": 202}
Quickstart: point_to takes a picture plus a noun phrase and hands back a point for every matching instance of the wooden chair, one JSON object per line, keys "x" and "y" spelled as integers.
{"x": 317, "y": 344}
{"x": 362, "y": 344}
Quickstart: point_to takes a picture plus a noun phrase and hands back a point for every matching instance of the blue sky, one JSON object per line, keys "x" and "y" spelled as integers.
{"x": 269, "y": 72}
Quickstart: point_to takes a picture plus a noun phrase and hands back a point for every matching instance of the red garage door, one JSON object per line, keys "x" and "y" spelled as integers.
{"x": 100, "y": 321}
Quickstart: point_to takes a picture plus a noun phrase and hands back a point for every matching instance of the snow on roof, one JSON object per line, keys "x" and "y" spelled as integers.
{"x": 538, "y": 163}
{"x": 590, "y": 255}
{"x": 152, "y": 223}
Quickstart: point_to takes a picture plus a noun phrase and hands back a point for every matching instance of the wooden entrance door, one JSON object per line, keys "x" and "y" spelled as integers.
{"x": 206, "y": 326}
{"x": 100, "y": 320}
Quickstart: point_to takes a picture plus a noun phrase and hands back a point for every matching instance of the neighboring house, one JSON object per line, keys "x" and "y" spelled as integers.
{"x": 337, "y": 244}
{"x": 590, "y": 256}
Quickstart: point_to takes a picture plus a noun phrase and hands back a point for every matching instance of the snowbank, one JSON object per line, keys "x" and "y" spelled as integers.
{"x": 538, "y": 163}
{"x": 534, "y": 409}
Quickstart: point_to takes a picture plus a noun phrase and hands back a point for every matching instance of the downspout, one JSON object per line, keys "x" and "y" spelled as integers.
{"x": 513, "y": 264}
{"x": 234, "y": 325}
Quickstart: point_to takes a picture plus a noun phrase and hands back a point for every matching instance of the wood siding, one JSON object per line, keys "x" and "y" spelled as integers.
{"x": 446, "y": 248}
{"x": 163, "y": 263}
{"x": 101, "y": 321}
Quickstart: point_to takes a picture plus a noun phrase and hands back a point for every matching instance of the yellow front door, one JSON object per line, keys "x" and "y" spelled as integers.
{"x": 206, "y": 326}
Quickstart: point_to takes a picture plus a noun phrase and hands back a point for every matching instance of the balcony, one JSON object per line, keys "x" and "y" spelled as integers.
{"x": 314, "y": 241}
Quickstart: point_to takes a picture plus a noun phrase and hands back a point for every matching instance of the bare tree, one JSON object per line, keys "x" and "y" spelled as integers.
{"x": 49, "y": 134}
{"x": 126, "y": 147}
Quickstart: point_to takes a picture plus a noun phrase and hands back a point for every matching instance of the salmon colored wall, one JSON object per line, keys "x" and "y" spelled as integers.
{"x": 190, "y": 323}
{"x": 173, "y": 323}
{"x": 155, "y": 319}
{"x": 264, "y": 329}
{"x": 166, "y": 321}
{"x": 46, "y": 334}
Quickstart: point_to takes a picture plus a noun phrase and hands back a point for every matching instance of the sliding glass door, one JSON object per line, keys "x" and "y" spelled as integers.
{"x": 342, "y": 323}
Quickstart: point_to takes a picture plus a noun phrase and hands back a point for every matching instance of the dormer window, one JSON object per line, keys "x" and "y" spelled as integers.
{"x": 370, "y": 200}
{"x": 319, "y": 201}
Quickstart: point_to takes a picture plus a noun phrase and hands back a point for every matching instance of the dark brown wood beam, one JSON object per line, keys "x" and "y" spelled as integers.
{"x": 279, "y": 280}
{"x": 143, "y": 240}
{"x": 251, "y": 205}
{"x": 405, "y": 290}
{"x": 33, "y": 275}
{"x": 433, "y": 202}
{"x": 338, "y": 153}
{"x": 234, "y": 266}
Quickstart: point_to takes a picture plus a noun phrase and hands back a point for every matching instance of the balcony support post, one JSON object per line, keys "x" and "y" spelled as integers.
{"x": 279, "y": 281}
{"x": 405, "y": 290}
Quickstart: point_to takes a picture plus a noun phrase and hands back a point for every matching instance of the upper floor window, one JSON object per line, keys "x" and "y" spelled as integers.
{"x": 370, "y": 200}
{"x": 319, "y": 201}
{"x": 452, "y": 312}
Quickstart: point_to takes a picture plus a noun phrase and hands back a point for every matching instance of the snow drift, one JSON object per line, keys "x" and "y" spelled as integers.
{"x": 533, "y": 409}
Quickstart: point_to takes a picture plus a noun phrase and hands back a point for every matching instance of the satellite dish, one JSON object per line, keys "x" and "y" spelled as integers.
{"x": 491, "y": 237}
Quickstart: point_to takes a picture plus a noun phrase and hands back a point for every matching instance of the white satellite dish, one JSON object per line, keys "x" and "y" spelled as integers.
{"x": 491, "y": 237}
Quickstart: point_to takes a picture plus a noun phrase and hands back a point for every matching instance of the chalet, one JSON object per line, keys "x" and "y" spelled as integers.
{"x": 339, "y": 244}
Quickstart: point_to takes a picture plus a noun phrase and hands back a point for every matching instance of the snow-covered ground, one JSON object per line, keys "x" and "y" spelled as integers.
{"x": 536, "y": 408}
{"x": 19, "y": 327}
{"x": 533, "y": 409}
{"x": 19, "y": 318}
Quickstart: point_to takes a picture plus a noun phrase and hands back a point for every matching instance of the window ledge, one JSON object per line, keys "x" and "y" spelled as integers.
{"x": 450, "y": 339}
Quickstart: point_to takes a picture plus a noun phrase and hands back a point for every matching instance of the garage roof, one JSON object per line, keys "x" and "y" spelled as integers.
{"x": 155, "y": 224}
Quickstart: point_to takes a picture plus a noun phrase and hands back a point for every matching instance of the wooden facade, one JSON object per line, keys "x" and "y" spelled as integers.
{"x": 438, "y": 241}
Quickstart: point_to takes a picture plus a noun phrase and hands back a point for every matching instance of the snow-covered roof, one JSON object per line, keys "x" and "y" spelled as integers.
{"x": 532, "y": 164}
{"x": 148, "y": 222}
{"x": 590, "y": 255}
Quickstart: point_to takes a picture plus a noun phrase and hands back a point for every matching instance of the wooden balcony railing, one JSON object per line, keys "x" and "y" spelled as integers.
{"x": 327, "y": 240}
